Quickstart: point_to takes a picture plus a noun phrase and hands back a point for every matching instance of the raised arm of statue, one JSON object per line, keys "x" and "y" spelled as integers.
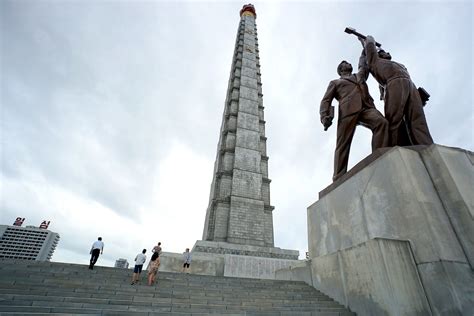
{"x": 370, "y": 50}
{"x": 363, "y": 72}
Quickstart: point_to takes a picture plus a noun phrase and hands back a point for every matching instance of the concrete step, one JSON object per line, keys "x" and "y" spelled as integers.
{"x": 127, "y": 289}
{"x": 33, "y": 287}
{"x": 86, "y": 279}
{"x": 36, "y": 310}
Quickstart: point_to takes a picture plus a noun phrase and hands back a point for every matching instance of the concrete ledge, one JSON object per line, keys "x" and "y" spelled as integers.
{"x": 254, "y": 267}
{"x": 301, "y": 271}
{"x": 223, "y": 248}
{"x": 200, "y": 264}
{"x": 358, "y": 167}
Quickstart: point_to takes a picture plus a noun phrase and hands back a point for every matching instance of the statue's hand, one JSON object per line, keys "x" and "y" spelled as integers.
{"x": 327, "y": 121}
{"x": 370, "y": 39}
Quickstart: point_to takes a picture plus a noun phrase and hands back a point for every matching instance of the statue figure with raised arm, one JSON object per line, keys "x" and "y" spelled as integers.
{"x": 403, "y": 104}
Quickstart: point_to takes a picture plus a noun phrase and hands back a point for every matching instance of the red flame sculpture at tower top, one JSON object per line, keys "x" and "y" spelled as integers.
{"x": 248, "y": 8}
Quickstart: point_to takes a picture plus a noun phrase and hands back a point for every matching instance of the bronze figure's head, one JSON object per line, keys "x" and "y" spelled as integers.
{"x": 344, "y": 68}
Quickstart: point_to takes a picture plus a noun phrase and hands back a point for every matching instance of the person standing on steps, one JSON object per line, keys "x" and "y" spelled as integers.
{"x": 157, "y": 248}
{"x": 153, "y": 266}
{"x": 139, "y": 261}
{"x": 187, "y": 260}
{"x": 96, "y": 249}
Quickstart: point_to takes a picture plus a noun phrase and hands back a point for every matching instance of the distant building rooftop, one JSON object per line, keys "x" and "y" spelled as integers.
{"x": 28, "y": 243}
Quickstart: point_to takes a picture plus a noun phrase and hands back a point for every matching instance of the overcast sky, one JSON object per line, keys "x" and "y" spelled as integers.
{"x": 111, "y": 110}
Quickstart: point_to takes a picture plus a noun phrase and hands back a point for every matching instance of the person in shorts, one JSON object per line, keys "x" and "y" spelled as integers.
{"x": 139, "y": 261}
{"x": 187, "y": 260}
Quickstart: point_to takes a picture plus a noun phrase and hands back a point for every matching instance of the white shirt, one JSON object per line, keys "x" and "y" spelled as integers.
{"x": 140, "y": 259}
{"x": 98, "y": 244}
{"x": 187, "y": 257}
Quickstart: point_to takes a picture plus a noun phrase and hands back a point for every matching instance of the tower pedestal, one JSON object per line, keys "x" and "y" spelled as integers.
{"x": 246, "y": 261}
{"x": 224, "y": 248}
{"x": 397, "y": 238}
{"x": 232, "y": 260}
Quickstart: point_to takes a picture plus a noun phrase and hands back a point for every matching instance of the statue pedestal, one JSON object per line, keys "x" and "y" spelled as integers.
{"x": 397, "y": 237}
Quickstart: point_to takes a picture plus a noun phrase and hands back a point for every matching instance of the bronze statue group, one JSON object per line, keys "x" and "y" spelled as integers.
{"x": 404, "y": 123}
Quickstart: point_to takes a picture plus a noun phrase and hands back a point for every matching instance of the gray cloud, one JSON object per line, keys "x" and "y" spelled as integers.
{"x": 101, "y": 103}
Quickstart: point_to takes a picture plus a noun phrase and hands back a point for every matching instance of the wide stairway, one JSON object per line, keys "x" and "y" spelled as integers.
{"x": 34, "y": 288}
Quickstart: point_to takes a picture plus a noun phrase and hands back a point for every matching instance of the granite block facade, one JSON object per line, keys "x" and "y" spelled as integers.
{"x": 248, "y": 160}
{"x": 239, "y": 210}
{"x": 248, "y": 121}
{"x": 248, "y": 106}
{"x": 238, "y": 231}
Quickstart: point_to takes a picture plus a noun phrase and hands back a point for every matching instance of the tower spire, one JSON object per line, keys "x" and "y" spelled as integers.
{"x": 239, "y": 210}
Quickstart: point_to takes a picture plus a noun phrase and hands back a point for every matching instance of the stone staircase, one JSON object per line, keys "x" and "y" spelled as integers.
{"x": 34, "y": 288}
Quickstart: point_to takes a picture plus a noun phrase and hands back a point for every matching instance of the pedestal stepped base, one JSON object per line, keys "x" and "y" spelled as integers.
{"x": 397, "y": 238}
{"x": 244, "y": 250}
{"x": 232, "y": 260}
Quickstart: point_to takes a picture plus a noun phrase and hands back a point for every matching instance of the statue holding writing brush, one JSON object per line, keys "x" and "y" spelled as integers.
{"x": 403, "y": 101}
{"x": 356, "y": 107}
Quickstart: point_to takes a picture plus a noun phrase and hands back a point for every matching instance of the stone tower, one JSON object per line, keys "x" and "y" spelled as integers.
{"x": 239, "y": 211}
{"x": 239, "y": 208}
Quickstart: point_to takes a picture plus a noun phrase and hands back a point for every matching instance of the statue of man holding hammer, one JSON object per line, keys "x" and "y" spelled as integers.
{"x": 403, "y": 103}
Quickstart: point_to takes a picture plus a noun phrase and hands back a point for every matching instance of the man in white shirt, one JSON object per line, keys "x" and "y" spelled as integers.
{"x": 187, "y": 260}
{"x": 96, "y": 249}
{"x": 139, "y": 262}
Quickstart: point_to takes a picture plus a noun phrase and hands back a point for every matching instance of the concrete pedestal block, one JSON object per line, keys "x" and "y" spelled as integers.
{"x": 421, "y": 196}
{"x": 452, "y": 174}
{"x": 378, "y": 277}
{"x": 449, "y": 286}
{"x": 300, "y": 271}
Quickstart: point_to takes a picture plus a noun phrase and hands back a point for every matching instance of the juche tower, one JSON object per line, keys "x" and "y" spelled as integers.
{"x": 239, "y": 217}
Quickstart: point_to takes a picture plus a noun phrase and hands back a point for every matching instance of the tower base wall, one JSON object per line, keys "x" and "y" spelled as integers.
{"x": 232, "y": 260}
